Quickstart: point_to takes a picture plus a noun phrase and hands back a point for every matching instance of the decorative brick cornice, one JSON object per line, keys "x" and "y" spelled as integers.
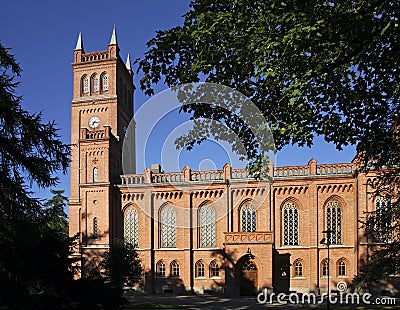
{"x": 168, "y": 195}
{"x": 249, "y": 191}
{"x": 248, "y": 237}
{"x": 291, "y": 190}
{"x": 133, "y": 196}
{"x": 335, "y": 188}
{"x": 208, "y": 193}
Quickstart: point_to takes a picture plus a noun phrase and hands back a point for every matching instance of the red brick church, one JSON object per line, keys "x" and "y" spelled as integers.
{"x": 205, "y": 231}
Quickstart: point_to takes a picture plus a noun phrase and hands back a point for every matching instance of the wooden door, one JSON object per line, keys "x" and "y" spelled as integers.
{"x": 248, "y": 278}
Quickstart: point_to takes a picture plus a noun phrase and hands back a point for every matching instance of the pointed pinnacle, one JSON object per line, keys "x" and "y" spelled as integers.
{"x": 128, "y": 62}
{"x": 114, "y": 37}
{"x": 79, "y": 44}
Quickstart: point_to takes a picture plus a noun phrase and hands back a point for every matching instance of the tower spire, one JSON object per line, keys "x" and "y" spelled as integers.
{"x": 79, "y": 43}
{"x": 113, "y": 37}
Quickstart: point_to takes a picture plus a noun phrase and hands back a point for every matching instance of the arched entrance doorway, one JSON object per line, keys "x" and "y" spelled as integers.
{"x": 247, "y": 276}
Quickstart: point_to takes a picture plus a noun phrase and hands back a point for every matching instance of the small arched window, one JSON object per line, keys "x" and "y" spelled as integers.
{"x": 325, "y": 268}
{"x": 298, "y": 268}
{"x": 199, "y": 269}
{"x": 160, "y": 267}
{"x": 341, "y": 267}
{"x": 214, "y": 269}
{"x": 95, "y": 228}
{"x": 174, "y": 269}
{"x": 248, "y": 218}
{"x": 104, "y": 83}
{"x": 94, "y": 175}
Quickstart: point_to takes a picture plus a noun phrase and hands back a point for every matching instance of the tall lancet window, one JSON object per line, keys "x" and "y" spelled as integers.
{"x": 290, "y": 224}
{"x": 334, "y": 221}
{"x": 104, "y": 82}
{"x": 85, "y": 84}
{"x": 131, "y": 226}
{"x": 168, "y": 227}
{"x": 324, "y": 267}
{"x": 248, "y": 217}
{"x": 207, "y": 227}
{"x": 95, "y": 84}
{"x": 383, "y": 219}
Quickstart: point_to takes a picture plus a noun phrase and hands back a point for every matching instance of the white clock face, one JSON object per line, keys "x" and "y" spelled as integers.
{"x": 94, "y": 122}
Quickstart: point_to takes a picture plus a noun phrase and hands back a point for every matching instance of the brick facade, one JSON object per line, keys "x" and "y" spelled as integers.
{"x": 246, "y": 260}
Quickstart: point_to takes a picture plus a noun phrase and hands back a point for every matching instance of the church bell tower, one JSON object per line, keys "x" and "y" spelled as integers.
{"x": 102, "y": 108}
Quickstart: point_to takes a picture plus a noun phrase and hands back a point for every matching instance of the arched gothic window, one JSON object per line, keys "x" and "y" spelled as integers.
{"x": 85, "y": 84}
{"x": 95, "y": 84}
{"x": 334, "y": 221}
{"x": 131, "y": 226}
{"x": 248, "y": 217}
{"x": 214, "y": 269}
{"x": 104, "y": 84}
{"x": 298, "y": 268}
{"x": 207, "y": 227}
{"x": 324, "y": 268}
{"x": 94, "y": 175}
{"x": 383, "y": 219}
{"x": 290, "y": 224}
{"x": 95, "y": 228}
{"x": 160, "y": 269}
{"x": 199, "y": 269}
{"x": 174, "y": 269}
{"x": 168, "y": 227}
{"x": 341, "y": 267}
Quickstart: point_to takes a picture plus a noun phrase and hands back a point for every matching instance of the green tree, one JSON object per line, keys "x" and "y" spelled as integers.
{"x": 314, "y": 67}
{"x": 40, "y": 263}
{"x": 33, "y": 241}
{"x": 311, "y": 67}
{"x": 121, "y": 265}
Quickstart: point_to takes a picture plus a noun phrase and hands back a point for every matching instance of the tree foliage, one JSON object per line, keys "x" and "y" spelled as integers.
{"x": 35, "y": 267}
{"x": 314, "y": 67}
{"x": 35, "y": 244}
{"x": 382, "y": 228}
{"x": 121, "y": 265}
{"x": 311, "y": 67}
{"x": 30, "y": 150}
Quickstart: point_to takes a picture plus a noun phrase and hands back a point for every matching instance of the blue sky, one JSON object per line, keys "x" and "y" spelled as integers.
{"x": 43, "y": 34}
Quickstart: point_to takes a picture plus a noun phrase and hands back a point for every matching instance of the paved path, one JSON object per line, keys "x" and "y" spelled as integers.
{"x": 198, "y": 302}
{"x": 214, "y": 302}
